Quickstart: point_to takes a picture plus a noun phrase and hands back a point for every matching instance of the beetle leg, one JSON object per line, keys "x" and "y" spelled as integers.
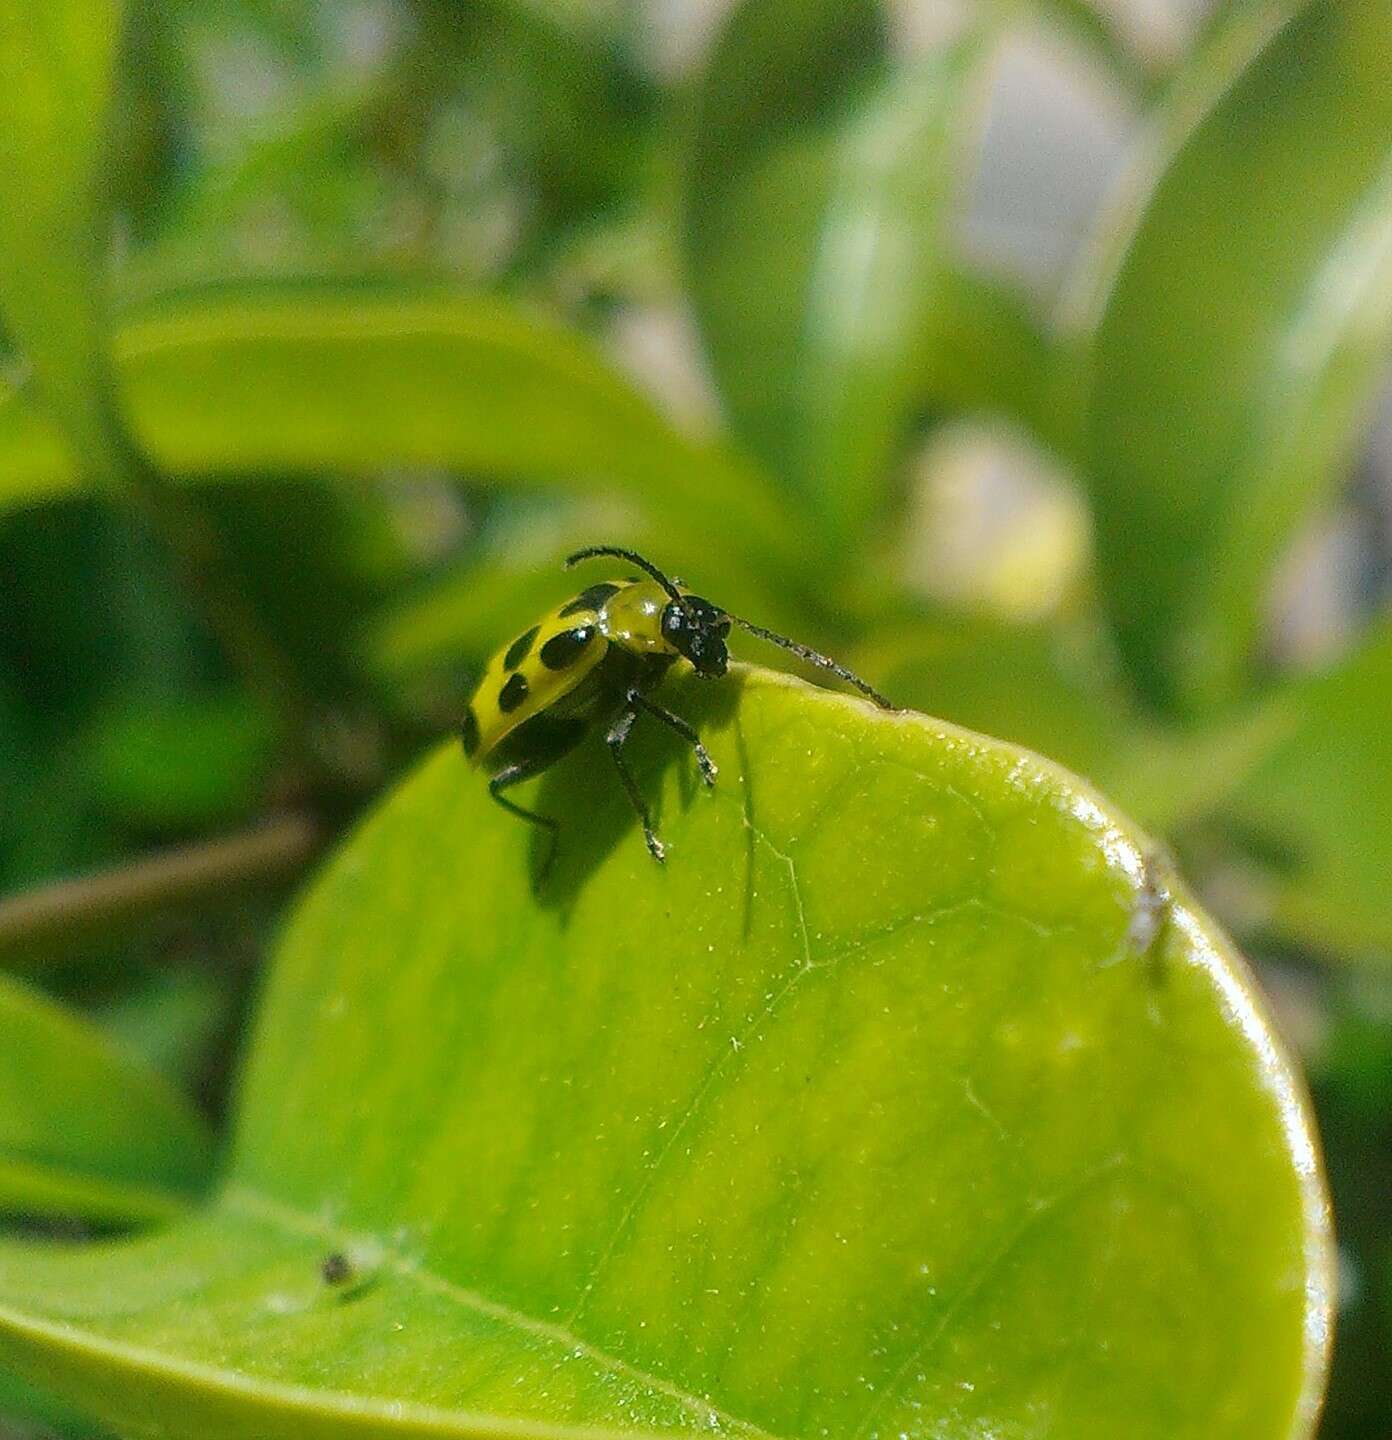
{"x": 512, "y": 775}
{"x": 618, "y": 734}
{"x": 707, "y": 766}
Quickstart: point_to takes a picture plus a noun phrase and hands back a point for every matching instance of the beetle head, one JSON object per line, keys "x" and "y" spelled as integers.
{"x": 696, "y": 629}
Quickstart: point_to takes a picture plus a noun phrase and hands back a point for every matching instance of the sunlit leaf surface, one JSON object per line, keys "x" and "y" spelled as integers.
{"x": 868, "y": 1115}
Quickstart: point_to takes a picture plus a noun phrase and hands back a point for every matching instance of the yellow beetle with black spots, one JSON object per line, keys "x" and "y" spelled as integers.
{"x": 591, "y": 662}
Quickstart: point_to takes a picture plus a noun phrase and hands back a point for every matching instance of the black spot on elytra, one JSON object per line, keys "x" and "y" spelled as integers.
{"x": 564, "y": 649}
{"x": 590, "y": 599}
{"x": 513, "y": 693}
{"x": 518, "y": 651}
{"x": 470, "y": 731}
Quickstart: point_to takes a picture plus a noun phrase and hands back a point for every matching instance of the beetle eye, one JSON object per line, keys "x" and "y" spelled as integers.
{"x": 673, "y": 620}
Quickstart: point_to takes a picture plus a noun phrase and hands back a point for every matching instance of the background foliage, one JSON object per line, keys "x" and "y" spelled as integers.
{"x": 347, "y": 320}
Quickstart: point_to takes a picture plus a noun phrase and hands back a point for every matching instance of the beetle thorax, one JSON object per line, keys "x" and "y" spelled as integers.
{"x": 632, "y": 618}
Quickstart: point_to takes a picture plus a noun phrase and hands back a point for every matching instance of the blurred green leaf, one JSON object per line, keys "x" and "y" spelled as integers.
{"x": 986, "y": 351}
{"x": 569, "y": 105}
{"x": 16, "y": 757}
{"x": 1052, "y": 690}
{"x": 620, "y": 1156}
{"x": 1240, "y": 333}
{"x": 769, "y": 109}
{"x": 91, "y": 614}
{"x": 1098, "y": 28}
{"x": 92, "y": 624}
{"x": 86, "y": 1132}
{"x": 881, "y": 256}
{"x": 1324, "y": 797}
{"x": 179, "y": 764}
{"x": 322, "y": 379}
{"x": 36, "y": 464}
{"x": 172, "y": 1020}
{"x": 31, "y": 1415}
{"x": 312, "y": 162}
{"x": 1351, "y": 1076}
{"x": 153, "y": 121}
{"x": 815, "y": 235}
{"x": 516, "y": 569}
{"x": 52, "y": 824}
{"x": 311, "y": 561}
{"x": 57, "y": 66}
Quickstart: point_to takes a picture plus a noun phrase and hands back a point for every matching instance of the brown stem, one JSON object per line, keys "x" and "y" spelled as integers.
{"x": 35, "y": 921}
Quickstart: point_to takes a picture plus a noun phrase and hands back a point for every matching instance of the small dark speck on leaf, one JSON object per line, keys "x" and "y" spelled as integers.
{"x": 347, "y": 1278}
{"x": 336, "y": 1268}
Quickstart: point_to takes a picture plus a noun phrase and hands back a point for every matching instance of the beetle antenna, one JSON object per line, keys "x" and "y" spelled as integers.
{"x": 814, "y": 657}
{"x": 634, "y": 558}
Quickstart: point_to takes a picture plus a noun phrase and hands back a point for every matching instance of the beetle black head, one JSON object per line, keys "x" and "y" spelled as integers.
{"x": 697, "y": 629}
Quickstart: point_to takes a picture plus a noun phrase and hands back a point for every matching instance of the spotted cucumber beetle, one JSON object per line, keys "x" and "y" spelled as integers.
{"x": 591, "y": 662}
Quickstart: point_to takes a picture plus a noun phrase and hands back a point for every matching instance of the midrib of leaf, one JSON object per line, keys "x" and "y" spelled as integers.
{"x": 63, "y": 1338}
{"x": 255, "y": 1205}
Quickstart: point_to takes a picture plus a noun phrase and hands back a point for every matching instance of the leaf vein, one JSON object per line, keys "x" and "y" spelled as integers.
{"x": 261, "y": 1206}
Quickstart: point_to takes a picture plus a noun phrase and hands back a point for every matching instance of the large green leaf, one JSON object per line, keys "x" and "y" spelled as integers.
{"x": 84, "y": 1130}
{"x": 318, "y": 378}
{"x": 860, "y": 1117}
{"x": 1242, "y": 333}
{"x": 57, "y": 63}
{"x": 815, "y": 238}
{"x": 1323, "y": 801}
